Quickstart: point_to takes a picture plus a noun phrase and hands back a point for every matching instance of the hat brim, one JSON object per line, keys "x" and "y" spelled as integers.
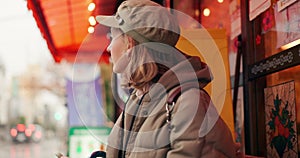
{"x": 106, "y": 20}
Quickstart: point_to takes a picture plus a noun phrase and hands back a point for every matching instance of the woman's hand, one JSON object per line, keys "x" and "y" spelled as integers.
{"x": 60, "y": 155}
{"x": 239, "y": 153}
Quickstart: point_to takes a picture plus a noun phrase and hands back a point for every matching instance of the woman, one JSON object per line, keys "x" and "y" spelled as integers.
{"x": 144, "y": 35}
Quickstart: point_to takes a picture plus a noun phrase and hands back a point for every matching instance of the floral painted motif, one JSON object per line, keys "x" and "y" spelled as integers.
{"x": 281, "y": 127}
{"x": 281, "y": 121}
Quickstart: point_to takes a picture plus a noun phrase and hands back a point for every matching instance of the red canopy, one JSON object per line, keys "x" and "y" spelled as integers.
{"x": 64, "y": 24}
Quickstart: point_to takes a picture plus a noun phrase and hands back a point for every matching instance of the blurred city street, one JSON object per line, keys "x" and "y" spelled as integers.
{"x": 61, "y": 90}
{"x": 47, "y": 148}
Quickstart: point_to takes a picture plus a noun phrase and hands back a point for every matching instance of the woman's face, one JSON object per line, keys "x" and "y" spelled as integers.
{"x": 117, "y": 45}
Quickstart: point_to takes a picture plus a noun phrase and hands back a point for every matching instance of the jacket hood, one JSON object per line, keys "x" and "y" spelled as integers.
{"x": 192, "y": 70}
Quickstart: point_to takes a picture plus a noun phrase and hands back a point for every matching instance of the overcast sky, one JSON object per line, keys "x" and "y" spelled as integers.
{"x": 21, "y": 42}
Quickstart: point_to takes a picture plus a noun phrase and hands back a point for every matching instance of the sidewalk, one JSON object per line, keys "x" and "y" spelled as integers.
{"x": 4, "y": 134}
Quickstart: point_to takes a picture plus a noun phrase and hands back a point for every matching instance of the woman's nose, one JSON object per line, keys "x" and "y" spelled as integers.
{"x": 108, "y": 47}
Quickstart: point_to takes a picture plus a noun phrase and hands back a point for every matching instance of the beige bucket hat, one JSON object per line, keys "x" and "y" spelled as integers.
{"x": 145, "y": 21}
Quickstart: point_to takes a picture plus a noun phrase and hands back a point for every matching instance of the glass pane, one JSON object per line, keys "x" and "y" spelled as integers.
{"x": 280, "y": 25}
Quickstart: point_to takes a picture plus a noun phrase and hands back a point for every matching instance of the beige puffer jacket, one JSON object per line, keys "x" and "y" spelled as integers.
{"x": 193, "y": 132}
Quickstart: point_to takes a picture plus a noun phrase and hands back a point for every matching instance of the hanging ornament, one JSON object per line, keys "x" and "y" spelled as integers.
{"x": 258, "y": 39}
{"x": 268, "y": 20}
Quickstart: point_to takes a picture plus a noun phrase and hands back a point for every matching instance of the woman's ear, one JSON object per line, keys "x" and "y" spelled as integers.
{"x": 130, "y": 42}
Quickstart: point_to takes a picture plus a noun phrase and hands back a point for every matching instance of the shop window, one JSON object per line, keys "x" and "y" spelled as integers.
{"x": 274, "y": 75}
{"x": 279, "y": 28}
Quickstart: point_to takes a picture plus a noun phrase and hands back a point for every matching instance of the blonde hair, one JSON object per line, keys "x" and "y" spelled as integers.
{"x": 142, "y": 70}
